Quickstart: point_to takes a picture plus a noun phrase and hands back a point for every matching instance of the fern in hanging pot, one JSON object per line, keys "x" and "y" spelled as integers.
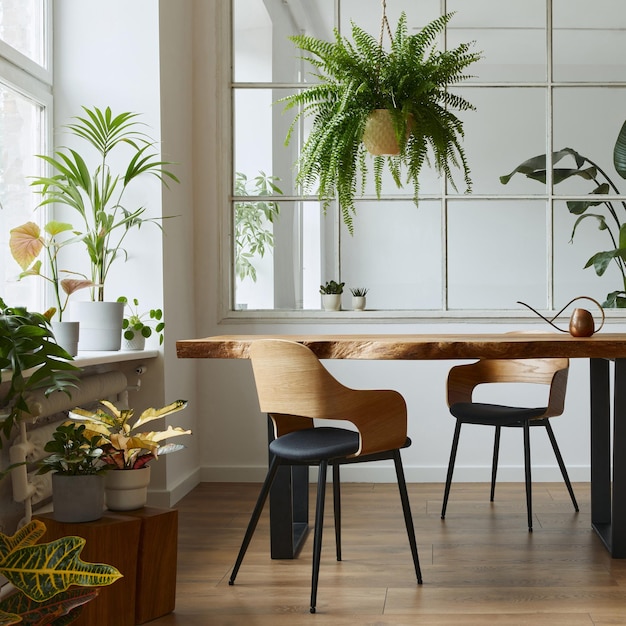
{"x": 358, "y": 83}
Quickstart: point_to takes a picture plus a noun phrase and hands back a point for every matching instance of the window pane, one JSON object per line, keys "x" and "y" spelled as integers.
{"x": 511, "y": 35}
{"x": 21, "y": 132}
{"x": 395, "y": 252}
{"x": 496, "y": 254}
{"x": 21, "y": 26}
{"x": 588, "y": 120}
{"x": 507, "y": 127}
{"x": 588, "y": 40}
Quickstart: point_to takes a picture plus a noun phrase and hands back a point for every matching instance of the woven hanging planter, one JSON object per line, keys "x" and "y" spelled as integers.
{"x": 379, "y": 136}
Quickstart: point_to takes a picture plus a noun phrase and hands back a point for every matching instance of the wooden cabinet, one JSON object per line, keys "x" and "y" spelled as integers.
{"x": 142, "y": 545}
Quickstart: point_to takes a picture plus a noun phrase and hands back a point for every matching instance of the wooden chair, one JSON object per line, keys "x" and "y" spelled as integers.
{"x": 463, "y": 379}
{"x": 294, "y": 388}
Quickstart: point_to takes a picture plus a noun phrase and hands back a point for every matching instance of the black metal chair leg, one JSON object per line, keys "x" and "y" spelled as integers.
{"x": 319, "y": 522}
{"x": 337, "y": 508}
{"x": 559, "y": 459}
{"x": 529, "y": 503}
{"x": 408, "y": 518}
{"x": 256, "y": 514}
{"x": 455, "y": 445}
{"x": 494, "y": 462}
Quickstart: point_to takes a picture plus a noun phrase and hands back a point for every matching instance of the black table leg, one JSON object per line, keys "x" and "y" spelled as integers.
{"x": 289, "y": 508}
{"x": 608, "y": 503}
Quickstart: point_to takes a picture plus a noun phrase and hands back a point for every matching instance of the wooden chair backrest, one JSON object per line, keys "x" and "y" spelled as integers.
{"x": 463, "y": 379}
{"x": 294, "y": 388}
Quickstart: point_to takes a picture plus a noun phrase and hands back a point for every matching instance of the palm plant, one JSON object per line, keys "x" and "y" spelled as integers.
{"x": 353, "y": 79}
{"x": 98, "y": 194}
{"x": 609, "y": 221}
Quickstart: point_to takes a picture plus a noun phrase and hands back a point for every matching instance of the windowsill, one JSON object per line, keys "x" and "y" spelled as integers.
{"x": 89, "y": 359}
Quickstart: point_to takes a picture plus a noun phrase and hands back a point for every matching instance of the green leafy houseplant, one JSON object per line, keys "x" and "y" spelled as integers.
{"x": 252, "y": 219}
{"x": 609, "y": 221}
{"x": 72, "y": 452}
{"x": 359, "y": 292}
{"x": 353, "y": 79}
{"x": 98, "y": 194}
{"x": 51, "y": 582}
{"x": 127, "y": 445}
{"x": 35, "y": 361}
{"x": 332, "y": 287}
{"x": 26, "y": 244}
{"x": 138, "y": 322}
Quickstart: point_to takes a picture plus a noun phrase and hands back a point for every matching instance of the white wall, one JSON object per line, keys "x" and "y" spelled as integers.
{"x": 113, "y": 56}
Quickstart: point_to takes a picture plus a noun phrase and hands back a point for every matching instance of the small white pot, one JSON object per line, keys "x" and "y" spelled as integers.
{"x": 331, "y": 301}
{"x": 67, "y": 335}
{"x": 126, "y": 490}
{"x": 138, "y": 342}
{"x": 358, "y": 303}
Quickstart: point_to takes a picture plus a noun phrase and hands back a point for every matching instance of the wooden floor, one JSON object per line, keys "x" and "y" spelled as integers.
{"x": 481, "y": 566}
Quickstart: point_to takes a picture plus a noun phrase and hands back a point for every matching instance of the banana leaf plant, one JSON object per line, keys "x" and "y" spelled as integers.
{"x": 612, "y": 220}
{"x": 51, "y": 581}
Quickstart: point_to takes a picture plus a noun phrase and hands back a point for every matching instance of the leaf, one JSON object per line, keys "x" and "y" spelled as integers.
{"x": 30, "y": 613}
{"x": 25, "y": 243}
{"x": 151, "y": 414}
{"x": 619, "y": 152}
{"x": 43, "y": 570}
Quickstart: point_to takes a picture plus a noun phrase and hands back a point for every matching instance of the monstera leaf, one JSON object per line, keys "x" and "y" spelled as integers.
{"x": 42, "y": 575}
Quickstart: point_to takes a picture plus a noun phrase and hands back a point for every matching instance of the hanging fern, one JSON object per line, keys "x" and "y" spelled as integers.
{"x": 355, "y": 77}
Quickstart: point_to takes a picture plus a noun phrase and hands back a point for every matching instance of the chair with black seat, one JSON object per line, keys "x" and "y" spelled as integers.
{"x": 462, "y": 381}
{"x": 294, "y": 389}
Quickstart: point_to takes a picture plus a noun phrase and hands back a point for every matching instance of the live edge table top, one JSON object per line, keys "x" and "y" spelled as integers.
{"x": 420, "y": 346}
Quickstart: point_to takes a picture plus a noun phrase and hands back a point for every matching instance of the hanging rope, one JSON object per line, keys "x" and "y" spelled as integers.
{"x": 384, "y": 23}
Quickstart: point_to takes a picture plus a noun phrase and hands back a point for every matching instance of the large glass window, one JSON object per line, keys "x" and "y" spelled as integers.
{"x": 549, "y": 78}
{"x": 25, "y": 105}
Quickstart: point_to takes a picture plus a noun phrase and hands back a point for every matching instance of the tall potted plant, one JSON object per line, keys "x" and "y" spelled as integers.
{"x": 98, "y": 195}
{"x": 358, "y": 86}
{"x": 26, "y": 243}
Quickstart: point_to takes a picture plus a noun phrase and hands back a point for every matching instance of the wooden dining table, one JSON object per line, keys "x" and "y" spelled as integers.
{"x": 605, "y": 352}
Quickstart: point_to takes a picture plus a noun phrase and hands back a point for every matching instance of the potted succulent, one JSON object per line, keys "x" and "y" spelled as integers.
{"x": 137, "y": 327}
{"x": 98, "y": 195}
{"x": 35, "y": 361}
{"x": 49, "y": 582}
{"x": 127, "y": 447}
{"x": 331, "y": 295}
{"x": 252, "y": 220}
{"x": 26, "y": 243}
{"x": 358, "y": 84}
{"x": 358, "y": 298}
{"x": 78, "y": 480}
{"x": 609, "y": 221}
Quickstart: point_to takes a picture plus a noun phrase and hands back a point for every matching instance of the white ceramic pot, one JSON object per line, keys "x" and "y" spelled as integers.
{"x": 138, "y": 342}
{"x": 77, "y": 498}
{"x": 331, "y": 301}
{"x": 126, "y": 490}
{"x": 358, "y": 303}
{"x": 100, "y": 324}
{"x": 67, "y": 336}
